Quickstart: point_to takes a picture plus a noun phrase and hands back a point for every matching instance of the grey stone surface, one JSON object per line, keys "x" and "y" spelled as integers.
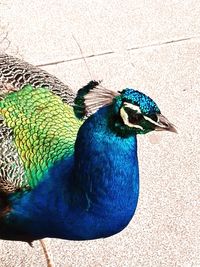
{"x": 150, "y": 45}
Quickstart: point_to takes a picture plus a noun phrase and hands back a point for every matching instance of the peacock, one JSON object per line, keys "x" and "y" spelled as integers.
{"x": 68, "y": 163}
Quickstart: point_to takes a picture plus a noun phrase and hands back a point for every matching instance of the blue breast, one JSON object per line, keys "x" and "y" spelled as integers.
{"x": 91, "y": 195}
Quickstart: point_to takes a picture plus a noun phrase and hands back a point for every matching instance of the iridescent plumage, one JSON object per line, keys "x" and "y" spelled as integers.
{"x": 14, "y": 74}
{"x": 43, "y": 131}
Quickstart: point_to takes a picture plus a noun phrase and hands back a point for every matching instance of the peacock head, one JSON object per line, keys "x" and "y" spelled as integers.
{"x": 132, "y": 112}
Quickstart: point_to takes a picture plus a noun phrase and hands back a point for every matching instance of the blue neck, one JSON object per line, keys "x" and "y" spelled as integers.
{"x": 91, "y": 195}
{"x": 107, "y": 163}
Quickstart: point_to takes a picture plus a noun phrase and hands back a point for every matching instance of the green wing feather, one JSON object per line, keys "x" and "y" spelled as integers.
{"x": 42, "y": 130}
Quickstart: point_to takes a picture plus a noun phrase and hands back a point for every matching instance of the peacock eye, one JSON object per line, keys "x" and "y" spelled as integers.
{"x": 135, "y": 118}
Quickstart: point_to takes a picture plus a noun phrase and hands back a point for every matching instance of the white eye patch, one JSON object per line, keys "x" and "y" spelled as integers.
{"x": 133, "y": 107}
{"x": 124, "y": 117}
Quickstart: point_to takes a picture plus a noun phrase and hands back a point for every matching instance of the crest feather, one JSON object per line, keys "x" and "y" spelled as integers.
{"x": 91, "y": 97}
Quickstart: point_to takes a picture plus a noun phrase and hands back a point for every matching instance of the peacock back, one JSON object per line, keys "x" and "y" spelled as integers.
{"x": 37, "y": 123}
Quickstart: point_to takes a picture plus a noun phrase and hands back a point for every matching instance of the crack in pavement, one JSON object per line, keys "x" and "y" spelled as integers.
{"x": 74, "y": 59}
{"x": 112, "y": 52}
{"x": 164, "y": 43}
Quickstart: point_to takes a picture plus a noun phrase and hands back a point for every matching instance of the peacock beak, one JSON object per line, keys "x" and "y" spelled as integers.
{"x": 163, "y": 124}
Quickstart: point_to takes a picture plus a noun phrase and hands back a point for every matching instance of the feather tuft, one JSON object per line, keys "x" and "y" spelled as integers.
{"x": 92, "y": 97}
